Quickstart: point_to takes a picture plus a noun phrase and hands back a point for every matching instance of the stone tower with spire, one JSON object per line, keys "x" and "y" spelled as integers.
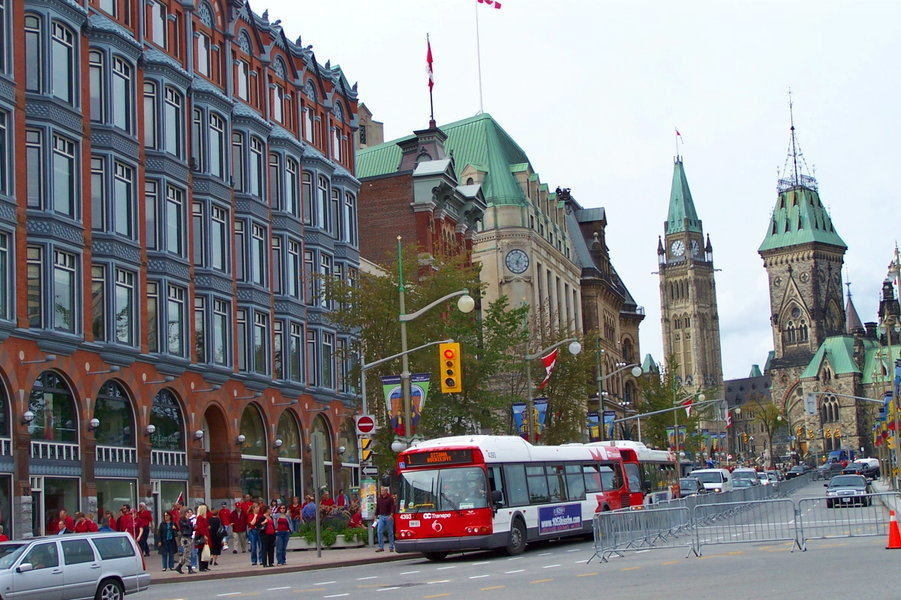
{"x": 690, "y": 320}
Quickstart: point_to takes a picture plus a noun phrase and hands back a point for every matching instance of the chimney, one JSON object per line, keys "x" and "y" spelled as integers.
{"x": 426, "y": 144}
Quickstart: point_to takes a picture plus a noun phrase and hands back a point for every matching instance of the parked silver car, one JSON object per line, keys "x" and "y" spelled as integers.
{"x": 81, "y": 566}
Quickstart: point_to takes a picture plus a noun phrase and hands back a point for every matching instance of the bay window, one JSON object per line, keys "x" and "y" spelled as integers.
{"x": 175, "y": 320}
{"x": 200, "y": 329}
{"x": 258, "y": 254}
{"x": 293, "y": 270}
{"x": 312, "y": 359}
{"x": 323, "y": 220}
{"x": 121, "y": 94}
{"x": 172, "y": 122}
{"x": 153, "y": 314}
{"x": 292, "y": 206}
{"x": 238, "y": 161}
{"x": 64, "y": 176}
{"x": 175, "y": 221}
{"x": 34, "y": 283}
{"x": 150, "y": 114}
{"x": 98, "y": 302}
{"x": 307, "y": 193}
{"x": 218, "y": 239}
{"x": 62, "y": 62}
{"x": 65, "y": 292}
{"x": 98, "y": 193}
{"x": 255, "y": 168}
{"x": 34, "y": 63}
{"x": 275, "y": 181}
{"x": 260, "y": 342}
{"x": 151, "y": 205}
{"x": 221, "y": 319}
{"x": 123, "y": 313}
{"x": 217, "y": 145}
{"x": 295, "y": 353}
{"x": 123, "y": 200}
{"x": 197, "y": 228}
{"x": 95, "y": 82}
{"x": 34, "y": 160}
{"x": 241, "y": 334}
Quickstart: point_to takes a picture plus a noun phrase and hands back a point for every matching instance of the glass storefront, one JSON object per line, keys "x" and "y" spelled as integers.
{"x": 253, "y": 478}
{"x": 322, "y": 463}
{"x": 166, "y": 417}
{"x": 113, "y": 493}
{"x": 290, "y": 470}
{"x": 169, "y": 491}
{"x": 57, "y": 493}
{"x": 6, "y": 519}
{"x": 113, "y": 410}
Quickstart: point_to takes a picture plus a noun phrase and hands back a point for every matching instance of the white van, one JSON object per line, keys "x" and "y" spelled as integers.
{"x": 714, "y": 480}
{"x": 77, "y": 566}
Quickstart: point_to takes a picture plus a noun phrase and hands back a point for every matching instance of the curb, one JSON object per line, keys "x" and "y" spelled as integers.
{"x": 258, "y": 571}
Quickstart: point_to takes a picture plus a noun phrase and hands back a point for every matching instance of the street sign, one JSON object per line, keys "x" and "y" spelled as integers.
{"x": 369, "y": 471}
{"x": 365, "y": 449}
{"x": 365, "y": 424}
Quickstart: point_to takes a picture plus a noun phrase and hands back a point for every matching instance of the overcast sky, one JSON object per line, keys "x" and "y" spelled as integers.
{"x": 592, "y": 90}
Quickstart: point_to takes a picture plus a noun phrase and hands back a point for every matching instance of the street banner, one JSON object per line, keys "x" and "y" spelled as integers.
{"x": 394, "y": 400}
{"x": 609, "y": 417}
{"x": 594, "y": 426}
{"x": 367, "y": 499}
{"x": 520, "y": 422}
{"x": 898, "y": 378}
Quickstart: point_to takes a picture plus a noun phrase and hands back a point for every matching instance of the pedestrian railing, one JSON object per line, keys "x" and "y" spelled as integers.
{"x": 752, "y": 515}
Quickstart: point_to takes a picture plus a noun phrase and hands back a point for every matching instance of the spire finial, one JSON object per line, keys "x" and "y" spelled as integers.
{"x": 791, "y": 117}
{"x": 848, "y": 282}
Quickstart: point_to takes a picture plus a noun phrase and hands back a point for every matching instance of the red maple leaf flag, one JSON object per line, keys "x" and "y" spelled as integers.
{"x": 428, "y": 62}
{"x": 687, "y": 404}
{"x": 549, "y": 362}
{"x": 728, "y": 419}
{"x": 493, "y": 3}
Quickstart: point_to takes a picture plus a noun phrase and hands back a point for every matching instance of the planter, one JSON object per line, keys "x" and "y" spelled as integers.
{"x": 341, "y": 542}
{"x": 299, "y": 543}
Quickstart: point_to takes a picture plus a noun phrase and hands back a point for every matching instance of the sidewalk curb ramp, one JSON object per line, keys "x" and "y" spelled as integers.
{"x": 258, "y": 571}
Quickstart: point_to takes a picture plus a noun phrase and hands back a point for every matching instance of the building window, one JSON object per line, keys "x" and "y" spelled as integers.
{"x": 328, "y": 360}
{"x": 323, "y": 220}
{"x": 308, "y": 270}
{"x": 123, "y": 200}
{"x": 258, "y": 255}
{"x": 200, "y": 329}
{"x": 172, "y": 122}
{"x": 293, "y": 270}
{"x": 62, "y": 62}
{"x": 197, "y": 136}
{"x": 275, "y": 181}
{"x": 260, "y": 342}
{"x": 34, "y": 65}
{"x": 255, "y": 168}
{"x": 295, "y": 353}
{"x": 325, "y": 272}
{"x": 335, "y": 213}
{"x": 98, "y": 302}
{"x": 153, "y": 313}
{"x": 292, "y": 205}
{"x": 336, "y": 144}
{"x": 312, "y": 359}
{"x": 277, "y": 260}
{"x": 278, "y": 102}
{"x": 221, "y": 318}
{"x": 217, "y": 145}
{"x": 278, "y": 350}
{"x": 243, "y": 80}
{"x": 124, "y": 307}
{"x": 121, "y": 94}
{"x": 98, "y": 193}
{"x": 218, "y": 240}
{"x": 151, "y": 203}
{"x": 95, "y": 81}
{"x": 307, "y": 192}
{"x": 238, "y": 161}
{"x": 240, "y": 250}
{"x": 150, "y": 115}
{"x": 197, "y": 227}
{"x": 4, "y": 144}
{"x": 65, "y": 291}
{"x": 203, "y": 53}
{"x": 350, "y": 219}
{"x": 64, "y": 174}
{"x": 175, "y": 220}
{"x": 342, "y": 359}
{"x": 157, "y": 27}
{"x": 175, "y": 320}
{"x": 34, "y": 284}
{"x": 241, "y": 333}
{"x": 34, "y": 158}
{"x": 308, "y": 124}
{"x": 5, "y": 296}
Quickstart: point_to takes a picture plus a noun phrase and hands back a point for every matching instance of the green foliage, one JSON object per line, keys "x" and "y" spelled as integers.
{"x": 567, "y": 390}
{"x": 328, "y": 536}
{"x": 355, "y": 534}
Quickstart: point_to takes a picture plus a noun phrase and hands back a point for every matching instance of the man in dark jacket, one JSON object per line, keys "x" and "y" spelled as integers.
{"x": 384, "y": 513}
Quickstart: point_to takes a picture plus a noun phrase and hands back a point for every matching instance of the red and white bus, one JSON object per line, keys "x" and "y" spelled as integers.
{"x": 480, "y": 492}
{"x": 654, "y": 476}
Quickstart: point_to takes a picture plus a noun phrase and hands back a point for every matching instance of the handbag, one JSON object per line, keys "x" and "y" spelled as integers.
{"x": 205, "y": 553}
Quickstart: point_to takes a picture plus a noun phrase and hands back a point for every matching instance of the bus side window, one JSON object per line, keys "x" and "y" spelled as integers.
{"x": 592, "y": 478}
{"x": 634, "y": 475}
{"x": 496, "y": 482}
{"x": 517, "y": 491}
{"x": 575, "y": 484}
{"x": 538, "y": 492}
{"x": 556, "y": 483}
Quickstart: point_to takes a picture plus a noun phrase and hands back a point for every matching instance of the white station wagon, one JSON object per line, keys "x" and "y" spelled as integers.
{"x": 102, "y": 566}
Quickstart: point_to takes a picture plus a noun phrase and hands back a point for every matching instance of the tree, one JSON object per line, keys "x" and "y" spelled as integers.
{"x": 770, "y": 418}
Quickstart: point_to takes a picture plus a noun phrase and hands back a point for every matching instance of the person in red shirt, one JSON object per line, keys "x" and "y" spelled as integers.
{"x": 267, "y": 537}
{"x": 3, "y": 536}
{"x": 326, "y": 499}
{"x": 294, "y": 512}
{"x": 283, "y": 529}
{"x": 143, "y": 521}
{"x": 202, "y": 530}
{"x": 238, "y": 520}
{"x": 356, "y": 517}
{"x": 342, "y": 499}
{"x": 84, "y": 524}
{"x": 64, "y": 524}
{"x": 126, "y": 521}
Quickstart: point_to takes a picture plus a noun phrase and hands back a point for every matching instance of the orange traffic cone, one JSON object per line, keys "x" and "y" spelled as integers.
{"x": 894, "y": 533}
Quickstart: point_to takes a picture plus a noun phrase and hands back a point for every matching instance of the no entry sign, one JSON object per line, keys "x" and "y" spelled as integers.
{"x": 365, "y": 424}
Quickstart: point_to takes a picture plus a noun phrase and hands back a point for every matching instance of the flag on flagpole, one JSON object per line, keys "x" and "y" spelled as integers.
{"x": 181, "y": 499}
{"x": 428, "y": 62}
{"x": 678, "y": 134}
{"x": 687, "y": 404}
{"x": 549, "y": 362}
{"x": 728, "y": 418}
{"x": 493, "y": 3}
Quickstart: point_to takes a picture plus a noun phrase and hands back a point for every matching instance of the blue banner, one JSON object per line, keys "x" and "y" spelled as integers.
{"x": 594, "y": 426}
{"x": 539, "y": 414}
{"x": 554, "y": 519}
{"x": 609, "y": 417}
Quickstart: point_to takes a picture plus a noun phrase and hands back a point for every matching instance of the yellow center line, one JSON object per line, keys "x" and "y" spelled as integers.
{"x": 541, "y": 580}
{"x": 492, "y": 587}
{"x": 593, "y": 573}
{"x": 629, "y": 568}
{"x": 671, "y": 562}
{"x": 438, "y": 595}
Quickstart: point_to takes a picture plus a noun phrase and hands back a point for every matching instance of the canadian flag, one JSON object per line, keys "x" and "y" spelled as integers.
{"x": 493, "y": 3}
{"x": 549, "y": 362}
{"x": 428, "y": 62}
{"x": 687, "y": 404}
{"x": 728, "y": 418}
{"x": 181, "y": 499}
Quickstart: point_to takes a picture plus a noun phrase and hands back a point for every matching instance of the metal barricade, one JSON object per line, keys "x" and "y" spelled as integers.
{"x": 843, "y": 517}
{"x": 769, "y": 520}
{"x": 619, "y": 531}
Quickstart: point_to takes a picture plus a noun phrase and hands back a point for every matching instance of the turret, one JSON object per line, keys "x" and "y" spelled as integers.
{"x": 708, "y": 250}
{"x": 661, "y": 253}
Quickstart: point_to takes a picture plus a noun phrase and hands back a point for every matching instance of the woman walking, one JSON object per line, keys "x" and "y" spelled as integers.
{"x": 217, "y": 534}
{"x": 267, "y": 538}
{"x": 167, "y": 541}
{"x": 283, "y": 529}
{"x": 185, "y": 541}
{"x": 253, "y": 534}
{"x": 202, "y": 536}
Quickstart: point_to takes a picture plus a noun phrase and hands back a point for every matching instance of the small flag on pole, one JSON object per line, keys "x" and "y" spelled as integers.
{"x": 549, "y": 362}
{"x": 181, "y": 499}
{"x": 493, "y": 3}
{"x": 728, "y": 418}
{"x": 678, "y": 134}
{"x": 687, "y": 404}
{"x": 428, "y": 62}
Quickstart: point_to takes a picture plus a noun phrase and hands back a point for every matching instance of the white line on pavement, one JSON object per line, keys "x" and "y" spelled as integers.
{"x": 228, "y": 594}
{"x": 574, "y": 550}
{"x": 438, "y": 581}
{"x": 396, "y": 587}
{"x": 324, "y": 583}
{"x": 516, "y": 571}
{"x": 446, "y": 568}
{"x": 579, "y": 562}
{"x": 515, "y": 558}
{"x": 549, "y": 566}
{"x": 287, "y": 587}
{"x": 370, "y": 577}
{"x": 545, "y": 554}
{"x": 336, "y": 595}
{"x": 641, "y": 551}
{"x": 479, "y": 576}
{"x": 484, "y": 562}
{"x": 410, "y": 572}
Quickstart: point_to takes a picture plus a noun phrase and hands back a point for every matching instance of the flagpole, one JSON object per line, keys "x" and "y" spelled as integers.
{"x": 431, "y": 84}
{"x": 479, "y": 57}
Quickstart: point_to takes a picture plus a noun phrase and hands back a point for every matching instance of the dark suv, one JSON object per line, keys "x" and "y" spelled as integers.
{"x": 861, "y": 468}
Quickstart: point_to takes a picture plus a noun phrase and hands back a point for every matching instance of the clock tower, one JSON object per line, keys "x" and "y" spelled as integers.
{"x": 690, "y": 320}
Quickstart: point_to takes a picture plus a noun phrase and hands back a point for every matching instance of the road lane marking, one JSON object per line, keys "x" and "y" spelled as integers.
{"x": 407, "y": 573}
{"x": 438, "y": 595}
{"x": 629, "y": 568}
{"x": 515, "y": 558}
{"x": 365, "y": 578}
{"x": 592, "y": 574}
{"x": 671, "y": 562}
{"x": 492, "y": 587}
{"x": 545, "y": 554}
{"x": 337, "y": 595}
{"x": 641, "y": 551}
{"x": 228, "y": 594}
{"x": 549, "y": 566}
{"x": 541, "y": 580}
{"x": 574, "y": 550}
{"x": 446, "y": 568}
{"x": 438, "y": 581}
{"x": 396, "y": 587}
{"x": 579, "y": 562}
{"x": 287, "y": 587}
{"x": 328, "y": 582}
{"x": 479, "y": 576}
{"x": 310, "y": 590}
{"x": 516, "y": 571}
{"x": 484, "y": 562}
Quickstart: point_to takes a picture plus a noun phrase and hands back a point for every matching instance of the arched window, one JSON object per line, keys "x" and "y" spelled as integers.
{"x": 321, "y": 439}
{"x": 254, "y": 432}
{"x": 244, "y": 42}
{"x": 279, "y": 67}
{"x": 339, "y": 112}
{"x": 290, "y": 453}
{"x": 205, "y": 14}
{"x": 829, "y": 410}
{"x": 55, "y": 413}
{"x": 168, "y": 422}
{"x": 4, "y": 413}
{"x": 628, "y": 351}
{"x": 117, "y": 421}
{"x": 253, "y": 453}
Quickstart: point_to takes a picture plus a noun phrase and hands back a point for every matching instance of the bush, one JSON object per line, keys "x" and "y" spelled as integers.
{"x": 329, "y": 537}
{"x": 358, "y": 534}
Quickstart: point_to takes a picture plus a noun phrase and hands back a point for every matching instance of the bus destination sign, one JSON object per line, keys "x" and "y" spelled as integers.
{"x": 439, "y": 457}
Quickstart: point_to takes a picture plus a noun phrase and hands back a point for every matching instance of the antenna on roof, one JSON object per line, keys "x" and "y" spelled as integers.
{"x": 848, "y": 282}
{"x": 791, "y": 117}
{"x": 800, "y": 175}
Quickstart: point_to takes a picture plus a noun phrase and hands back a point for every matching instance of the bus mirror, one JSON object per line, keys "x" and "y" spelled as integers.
{"x": 497, "y": 497}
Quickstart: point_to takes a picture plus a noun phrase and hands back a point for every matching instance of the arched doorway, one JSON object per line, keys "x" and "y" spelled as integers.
{"x": 168, "y": 456}
{"x": 54, "y": 442}
{"x": 350, "y": 458}
{"x": 290, "y": 456}
{"x": 6, "y": 466}
{"x": 218, "y": 452}
{"x": 321, "y": 441}
{"x": 116, "y": 483}
{"x": 253, "y": 453}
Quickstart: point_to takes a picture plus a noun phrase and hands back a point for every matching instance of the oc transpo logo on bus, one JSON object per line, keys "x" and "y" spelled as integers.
{"x": 554, "y": 519}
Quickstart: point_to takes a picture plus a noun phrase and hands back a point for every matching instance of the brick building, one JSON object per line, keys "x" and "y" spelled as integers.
{"x": 182, "y": 173}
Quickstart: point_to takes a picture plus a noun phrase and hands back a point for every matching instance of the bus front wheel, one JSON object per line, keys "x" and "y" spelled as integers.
{"x": 435, "y": 556}
{"x": 517, "y": 543}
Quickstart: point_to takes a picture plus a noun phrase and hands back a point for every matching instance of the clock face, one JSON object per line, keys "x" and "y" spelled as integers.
{"x": 695, "y": 247}
{"x": 517, "y": 261}
{"x": 678, "y": 248}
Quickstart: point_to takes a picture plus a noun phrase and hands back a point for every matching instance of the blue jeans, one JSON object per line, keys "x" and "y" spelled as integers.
{"x": 168, "y": 559}
{"x": 195, "y": 556}
{"x": 281, "y": 546}
{"x": 256, "y": 555}
{"x": 385, "y": 522}
{"x": 296, "y": 523}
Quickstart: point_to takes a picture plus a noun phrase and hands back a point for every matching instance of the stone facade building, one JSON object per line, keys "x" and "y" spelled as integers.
{"x": 172, "y": 177}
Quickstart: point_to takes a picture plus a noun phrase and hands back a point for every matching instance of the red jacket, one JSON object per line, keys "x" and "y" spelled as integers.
{"x": 225, "y": 516}
{"x": 269, "y": 527}
{"x": 126, "y": 523}
{"x": 294, "y": 510}
{"x": 85, "y": 526}
{"x": 202, "y": 527}
{"x": 143, "y": 518}
{"x": 239, "y": 521}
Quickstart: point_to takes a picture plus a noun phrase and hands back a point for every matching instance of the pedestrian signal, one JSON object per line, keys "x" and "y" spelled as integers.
{"x": 449, "y": 366}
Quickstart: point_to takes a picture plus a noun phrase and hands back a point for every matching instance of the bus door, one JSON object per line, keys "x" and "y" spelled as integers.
{"x": 634, "y": 480}
{"x": 501, "y": 520}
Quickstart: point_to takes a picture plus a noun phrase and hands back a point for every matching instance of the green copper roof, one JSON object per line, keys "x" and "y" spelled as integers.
{"x": 478, "y": 141}
{"x": 800, "y": 218}
{"x": 682, "y": 214}
{"x": 755, "y": 371}
{"x": 839, "y": 351}
{"x": 875, "y": 359}
{"x": 649, "y": 365}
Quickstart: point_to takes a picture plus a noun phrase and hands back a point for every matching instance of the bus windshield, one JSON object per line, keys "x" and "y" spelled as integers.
{"x": 443, "y": 489}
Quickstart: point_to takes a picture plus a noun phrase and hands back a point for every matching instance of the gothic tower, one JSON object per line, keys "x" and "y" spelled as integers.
{"x": 691, "y": 327}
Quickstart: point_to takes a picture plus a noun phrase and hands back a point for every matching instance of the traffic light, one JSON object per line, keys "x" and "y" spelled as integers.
{"x": 449, "y": 367}
{"x": 799, "y": 430}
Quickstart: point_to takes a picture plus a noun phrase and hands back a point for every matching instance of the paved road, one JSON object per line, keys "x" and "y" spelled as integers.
{"x": 560, "y": 570}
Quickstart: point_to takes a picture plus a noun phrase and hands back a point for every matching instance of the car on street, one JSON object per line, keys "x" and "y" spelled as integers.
{"x": 869, "y": 468}
{"x": 740, "y": 484}
{"x": 746, "y": 473}
{"x": 795, "y": 471}
{"x": 763, "y": 478}
{"x": 847, "y": 490}
{"x": 715, "y": 480}
{"x": 79, "y": 566}
{"x": 829, "y": 470}
{"x": 774, "y": 477}
{"x": 691, "y": 486}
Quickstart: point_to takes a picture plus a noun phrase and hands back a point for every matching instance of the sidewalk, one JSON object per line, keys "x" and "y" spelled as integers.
{"x": 238, "y": 565}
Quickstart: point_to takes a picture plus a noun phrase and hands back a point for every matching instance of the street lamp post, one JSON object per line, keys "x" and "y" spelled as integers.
{"x": 600, "y": 378}
{"x": 465, "y": 304}
{"x": 574, "y": 348}
{"x": 701, "y": 398}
